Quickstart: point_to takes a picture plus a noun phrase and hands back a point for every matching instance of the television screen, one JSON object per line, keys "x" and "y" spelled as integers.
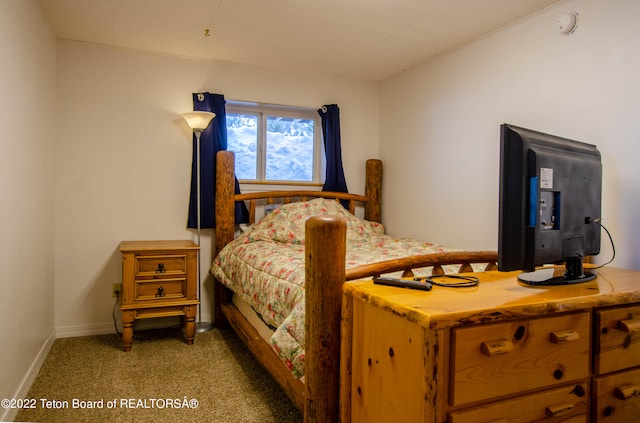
{"x": 550, "y": 195}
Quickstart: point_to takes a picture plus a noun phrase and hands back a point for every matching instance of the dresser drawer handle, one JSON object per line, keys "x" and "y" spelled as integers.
{"x": 629, "y": 325}
{"x": 625, "y": 392}
{"x": 160, "y": 292}
{"x": 563, "y": 336}
{"x": 161, "y": 268}
{"x": 559, "y": 409}
{"x": 497, "y": 347}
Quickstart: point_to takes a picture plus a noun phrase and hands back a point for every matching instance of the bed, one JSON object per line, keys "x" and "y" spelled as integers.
{"x": 314, "y": 245}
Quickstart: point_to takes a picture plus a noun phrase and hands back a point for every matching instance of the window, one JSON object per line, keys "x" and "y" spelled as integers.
{"x": 275, "y": 144}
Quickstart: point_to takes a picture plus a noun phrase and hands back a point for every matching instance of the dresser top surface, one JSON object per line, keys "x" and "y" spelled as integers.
{"x": 499, "y": 295}
{"x": 140, "y": 246}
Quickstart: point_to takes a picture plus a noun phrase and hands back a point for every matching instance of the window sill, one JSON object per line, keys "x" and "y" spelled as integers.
{"x": 278, "y": 186}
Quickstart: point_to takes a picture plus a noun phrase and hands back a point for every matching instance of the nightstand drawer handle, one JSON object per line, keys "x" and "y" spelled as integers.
{"x": 497, "y": 347}
{"x": 562, "y": 336}
{"x": 625, "y": 392}
{"x": 160, "y": 292}
{"x": 161, "y": 268}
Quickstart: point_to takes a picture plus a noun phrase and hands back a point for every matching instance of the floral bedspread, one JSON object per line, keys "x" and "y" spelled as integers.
{"x": 265, "y": 265}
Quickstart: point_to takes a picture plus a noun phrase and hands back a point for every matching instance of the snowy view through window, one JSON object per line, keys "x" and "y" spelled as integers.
{"x": 288, "y": 144}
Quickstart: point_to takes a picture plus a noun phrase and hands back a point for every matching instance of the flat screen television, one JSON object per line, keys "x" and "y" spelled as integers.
{"x": 550, "y": 195}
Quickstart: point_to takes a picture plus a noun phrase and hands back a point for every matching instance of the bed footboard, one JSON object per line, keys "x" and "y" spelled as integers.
{"x": 325, "y": 260}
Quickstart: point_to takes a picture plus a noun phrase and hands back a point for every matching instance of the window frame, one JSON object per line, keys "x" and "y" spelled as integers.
{"x": 262, "y": 111}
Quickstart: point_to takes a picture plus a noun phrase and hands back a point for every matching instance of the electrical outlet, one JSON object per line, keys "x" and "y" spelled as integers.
{"x": 116, "y": 288}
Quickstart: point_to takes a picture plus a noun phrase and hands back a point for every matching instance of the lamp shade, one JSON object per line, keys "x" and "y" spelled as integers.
{"x": 198, "y": 121}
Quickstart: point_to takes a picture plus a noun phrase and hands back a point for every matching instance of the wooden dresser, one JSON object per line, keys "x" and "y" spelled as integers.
{"x": 159, "y": 279}
{"x": 498, "y": 352}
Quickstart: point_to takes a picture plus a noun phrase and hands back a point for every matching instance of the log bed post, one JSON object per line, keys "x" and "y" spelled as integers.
{"x": 325, "y": 253}
{"x": 373, "y": 191}
{"x": 225, "y": 222}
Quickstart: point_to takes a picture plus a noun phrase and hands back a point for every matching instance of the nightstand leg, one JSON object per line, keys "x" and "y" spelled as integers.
{"x": 127, "y": 330}
{"x": 190, "y": 324}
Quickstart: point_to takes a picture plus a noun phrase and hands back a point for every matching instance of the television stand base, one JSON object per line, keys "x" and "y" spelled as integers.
{"x": 550, "y": 276}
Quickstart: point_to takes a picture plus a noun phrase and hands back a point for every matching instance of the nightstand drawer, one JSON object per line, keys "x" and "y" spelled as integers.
{"x": 495, "y": 360}
{"x": 568, "y": 403}
{"x": 617, "y": 397}
{"x": 160, "y": 265}
{"x": 150, "y": 313}
{"x": 617, "y": 345}
{"x": 160, "y": 289}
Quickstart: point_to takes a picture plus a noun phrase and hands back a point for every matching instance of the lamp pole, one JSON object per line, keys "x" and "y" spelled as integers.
{"x": 198, "y": 121}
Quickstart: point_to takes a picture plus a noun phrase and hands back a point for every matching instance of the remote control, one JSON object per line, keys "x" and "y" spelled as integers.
{"x": 403, "y": 283}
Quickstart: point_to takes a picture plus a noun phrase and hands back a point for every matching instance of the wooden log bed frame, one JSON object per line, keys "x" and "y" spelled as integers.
{"x": 319, "y": 397}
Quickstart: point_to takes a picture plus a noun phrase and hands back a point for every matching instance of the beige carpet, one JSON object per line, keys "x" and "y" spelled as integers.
{"x": 161, "y": 380}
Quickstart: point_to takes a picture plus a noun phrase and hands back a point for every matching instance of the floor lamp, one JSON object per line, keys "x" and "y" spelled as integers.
{"x": 198, "y": 122}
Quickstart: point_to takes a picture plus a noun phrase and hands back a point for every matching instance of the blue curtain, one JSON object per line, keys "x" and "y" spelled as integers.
{"x": 330, "y": 119}
{"x": 212, "y": 140}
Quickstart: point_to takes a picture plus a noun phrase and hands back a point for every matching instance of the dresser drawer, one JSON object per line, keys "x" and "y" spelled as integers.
{"x": 496, "y": 360}
{"x": 160, "y": 265}
{"x": 617, "y": 397}
{"x": 160, "y": 289}
{"x": 568, "y": 404}
{"x": 617, "y": 345}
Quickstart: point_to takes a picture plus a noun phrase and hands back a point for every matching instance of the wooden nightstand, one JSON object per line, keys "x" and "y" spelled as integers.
{"x": 159, "y": 279}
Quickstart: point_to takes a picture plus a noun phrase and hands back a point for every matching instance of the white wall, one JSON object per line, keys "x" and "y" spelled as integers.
{"x": 27, "y": 136}
{"x": 124, "y": 156}
{"x": 439, "y": 136}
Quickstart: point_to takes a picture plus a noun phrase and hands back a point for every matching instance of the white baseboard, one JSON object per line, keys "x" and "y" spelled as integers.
{"x": 23, "y": 390}
{"x": 106, "y": 328}
{"x": 84, "y": 330}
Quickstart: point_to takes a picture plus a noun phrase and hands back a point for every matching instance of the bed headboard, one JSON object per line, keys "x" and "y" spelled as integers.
{"x": 226, "y": 196}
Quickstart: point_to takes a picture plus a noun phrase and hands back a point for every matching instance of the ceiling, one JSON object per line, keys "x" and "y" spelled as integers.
{"x": 362, "y": 39}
